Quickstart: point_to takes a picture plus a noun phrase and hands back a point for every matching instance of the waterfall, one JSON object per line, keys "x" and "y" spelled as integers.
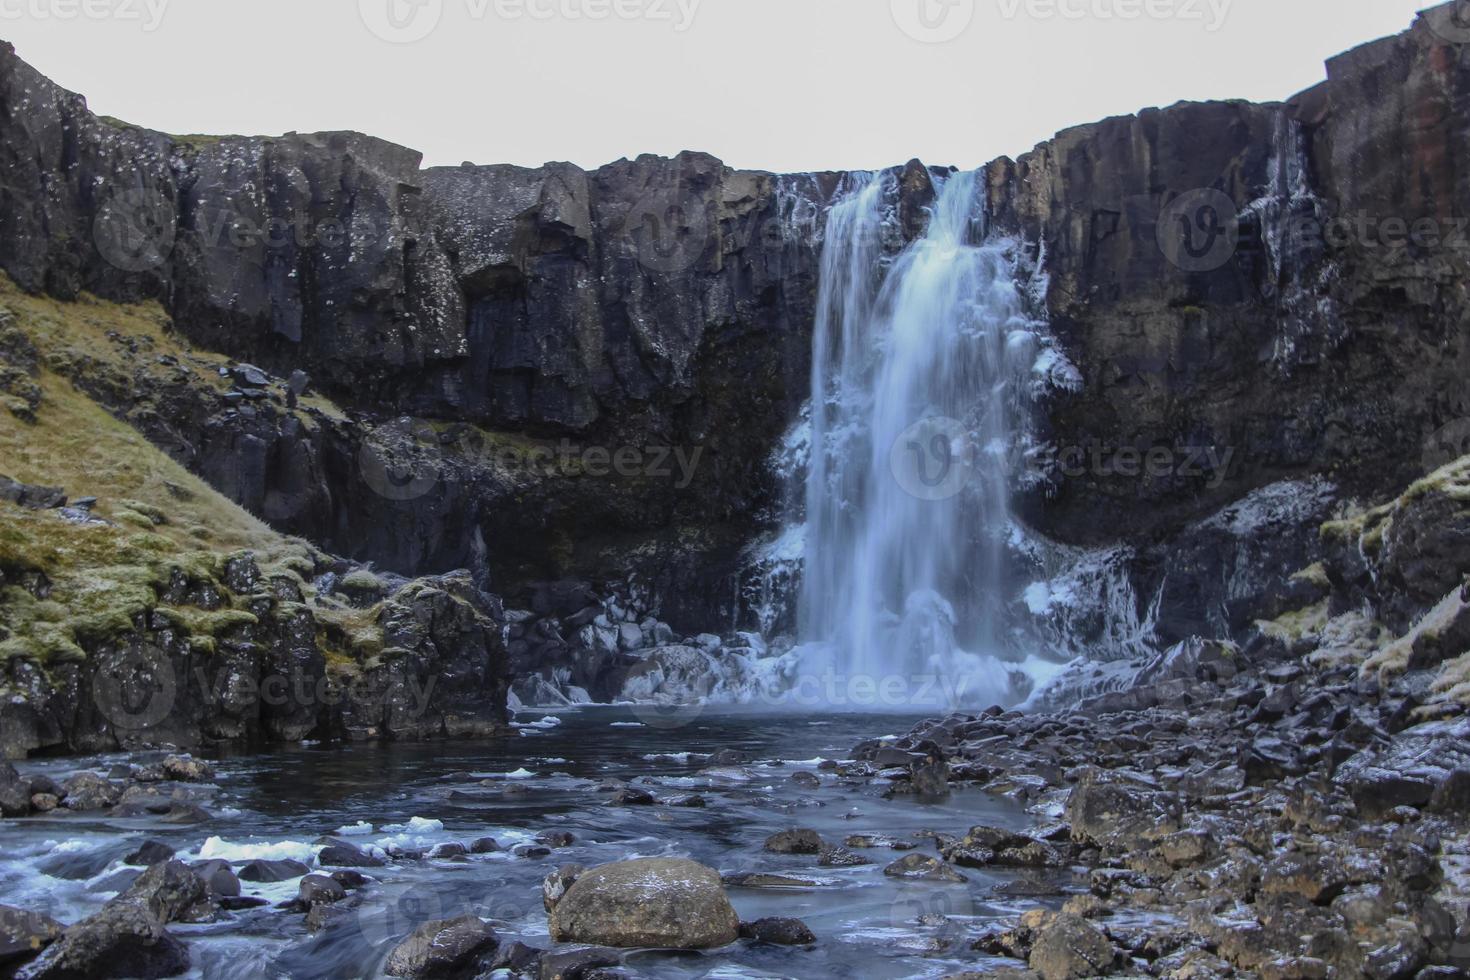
{"x": 922, "y": 366}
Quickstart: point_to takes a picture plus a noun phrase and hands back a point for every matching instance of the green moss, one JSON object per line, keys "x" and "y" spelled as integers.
{"x": 155, "y": 515}
{"x": 1315, "y": 575}
{"x": 362, "y": 580}
{"x": 1293, "y": 626}
{"x": 205, "y": 622}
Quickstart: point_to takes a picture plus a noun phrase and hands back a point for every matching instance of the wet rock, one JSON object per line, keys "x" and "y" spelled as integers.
{"x": 350, "y": 880}
{"x": 89, "y": 791}
{"x": 658, "y": 902}
{"x": 1450, "y": 797}
{"x": 531, "y": 852}
{"x": 45, "y": 802}
{"x": 1410, "y": 770}
{"x": 447, "y": 851}
{"x": 929, "y": 778}
{"x": 24, "y": 934}
{"x": 269, "y": 872}
{"x": 319, "y": 890}
{"x": 122, "y": 940}
{"x": 779, "y": 932}
{"x": 187, "y": 769}
{"x": 485, "y": 845}
{"x": 320, "y": 917}
{"x": 15, "y": 792}
{"x": 152, "y": 852}
{"x": 806, "y": 780}
{"x": 691, "y": 802}
{"x": 794, "y": 842}
{"x": 517, "y": 958}
{"x": 1069, "y": 948}
{"x": 840, "y": 857}
{"x": 628, "y": 796}
{"x": 556, "y": 884}
{"x": 236, "y": 903}
{"x": 218, "y": 877}
{"x": 869, "y": 841}
{"x": 339, "y": 853}
{"x": 761, "y": 880}
{"x": 556, "y": 839}
{"x": 171, "y": 892}
{"x": 922, "y": 867}
{"x": 1115, "y": 812}
{"x": 578, "y": 964}
{"x": 443, "y": 950}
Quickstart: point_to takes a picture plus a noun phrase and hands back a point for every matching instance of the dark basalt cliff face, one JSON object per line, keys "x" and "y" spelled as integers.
{"x": 469, "y": 318}
{"x": 1330, "y": 340}
{"x": 654, "y": 307}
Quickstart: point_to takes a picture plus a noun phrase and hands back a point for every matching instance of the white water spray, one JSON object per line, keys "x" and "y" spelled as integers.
{"x": 920, "y": 374}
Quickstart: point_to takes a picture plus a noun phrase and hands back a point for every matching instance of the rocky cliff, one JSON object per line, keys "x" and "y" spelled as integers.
{"x": 1265, "y": 294}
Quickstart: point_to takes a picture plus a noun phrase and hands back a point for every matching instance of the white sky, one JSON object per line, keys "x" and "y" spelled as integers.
{"x": 780, "y": 85}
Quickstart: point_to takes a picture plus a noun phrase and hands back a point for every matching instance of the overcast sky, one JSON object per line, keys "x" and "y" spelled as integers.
{"x": 779, "y": 85}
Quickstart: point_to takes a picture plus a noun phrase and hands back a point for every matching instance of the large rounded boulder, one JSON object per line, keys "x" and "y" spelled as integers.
{"x": 652, "y": 903}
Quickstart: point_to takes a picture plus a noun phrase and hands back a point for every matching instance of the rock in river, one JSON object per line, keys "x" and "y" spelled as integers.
{"x": 442, "y": 949}
{"x": 658, "y": 902}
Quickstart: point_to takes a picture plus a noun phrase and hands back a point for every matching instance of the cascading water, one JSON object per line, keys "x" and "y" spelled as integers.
{"x": 920, "y": 373}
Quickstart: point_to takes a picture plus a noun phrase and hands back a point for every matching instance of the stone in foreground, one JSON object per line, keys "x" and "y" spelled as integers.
{"x": 652, "y": 903}
{"x": 446, "y": 948}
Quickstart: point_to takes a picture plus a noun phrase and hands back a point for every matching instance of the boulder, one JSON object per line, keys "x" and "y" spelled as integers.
{"x": 922, "y": 867}
{"x": 779, "y": 932}
{"x": 1110, "y": 810}
{"x": 656, "y": 902}
{"x": 187, "y": 769}
{"x": 556, "y": 884}
{"x": 219, "y": 878}
{"x": 444, "y": 950}
{"x": 794, "y": 842}
{"x": 171, "y": 892}
{"x": 24, "y": 934}
{"x": 269, "y": 872}
{"x": 15, "y": 792}
{"x": 577, "y": 964}
{"x": 150, "y": 853}
{"x": 1068, "y": 948}
{"x": 122, "y": 940}
{"x": 343, "y": 854}
{"x": 89, "y": 791}
{"x": 319, "y": 890}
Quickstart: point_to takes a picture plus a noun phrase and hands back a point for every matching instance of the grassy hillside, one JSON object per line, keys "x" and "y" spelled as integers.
{"x": 153, "y": 517}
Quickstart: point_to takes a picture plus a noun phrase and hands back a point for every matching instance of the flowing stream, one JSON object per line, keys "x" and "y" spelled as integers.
{"x": 412, "y": 797}
{"x": 921, "y": 370}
